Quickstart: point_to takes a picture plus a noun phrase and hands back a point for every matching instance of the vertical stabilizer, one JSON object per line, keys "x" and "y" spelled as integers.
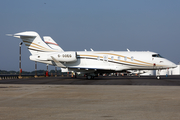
{"x": 33, "y": 42}
{"x": 48, "y": 40}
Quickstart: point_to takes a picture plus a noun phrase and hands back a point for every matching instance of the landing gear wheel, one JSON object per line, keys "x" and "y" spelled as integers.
{"x": 88, "y": 77}
{"x": 158, "y": 77}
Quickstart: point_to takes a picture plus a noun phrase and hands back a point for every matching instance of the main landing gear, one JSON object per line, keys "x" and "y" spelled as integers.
{"x": 158, "y": 75}
{"x": 89, "y": 77}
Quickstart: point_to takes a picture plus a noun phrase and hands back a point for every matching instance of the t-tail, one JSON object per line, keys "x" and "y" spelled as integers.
{"x": 34, "y": 42}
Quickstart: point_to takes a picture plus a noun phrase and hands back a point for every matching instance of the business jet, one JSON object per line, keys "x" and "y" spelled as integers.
{"x": 91, "y": 63}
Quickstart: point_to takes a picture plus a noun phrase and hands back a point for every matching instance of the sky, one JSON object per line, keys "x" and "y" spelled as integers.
{"x": 103, "y": 25}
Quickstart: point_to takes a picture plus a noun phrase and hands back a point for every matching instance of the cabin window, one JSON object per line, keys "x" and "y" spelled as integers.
{"x": 118, "y": 58}
{"x": 98, "y": 58}
{"x": 125, "y": 58}
{"x": 105, "y": 58}
{"x": 132, "y": 58}
{"x": 112, "y": 58}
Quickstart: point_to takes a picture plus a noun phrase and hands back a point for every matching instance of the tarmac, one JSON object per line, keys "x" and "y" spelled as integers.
{"x": 104, "y": 98}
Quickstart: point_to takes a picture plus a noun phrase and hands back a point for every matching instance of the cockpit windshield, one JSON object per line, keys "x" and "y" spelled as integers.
{"x": 157, "y": 55}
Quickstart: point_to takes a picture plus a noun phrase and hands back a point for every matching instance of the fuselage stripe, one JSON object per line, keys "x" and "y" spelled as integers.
{"x": 51, "y": 43}
{"x": 119, "y": 61}
{"x": 113, "y": 62}
{"x": 127, "y": 57}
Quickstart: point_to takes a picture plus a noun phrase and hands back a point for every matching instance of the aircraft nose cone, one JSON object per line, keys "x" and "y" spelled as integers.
{"x": 174, "y": 65}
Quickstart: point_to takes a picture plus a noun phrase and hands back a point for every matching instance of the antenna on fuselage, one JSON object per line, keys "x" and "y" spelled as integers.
{"x": 128, "y": 50}
{"x": 91, "y": 49}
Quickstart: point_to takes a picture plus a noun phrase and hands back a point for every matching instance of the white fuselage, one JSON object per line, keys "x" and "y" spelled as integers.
{"x": 114, "y": 61}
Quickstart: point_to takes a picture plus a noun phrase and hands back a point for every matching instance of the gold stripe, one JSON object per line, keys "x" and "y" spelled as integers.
{"x": 37, "y": 46}
{"x": 131, "y": 62}
{"x": 116, "y": 60}
{"x": 41, "y": 47}
{"x": 90, "y": 55}
{"x": 111, "y": 54}
{"x": 127, "y": 58}
{"x": 142, "y": 62}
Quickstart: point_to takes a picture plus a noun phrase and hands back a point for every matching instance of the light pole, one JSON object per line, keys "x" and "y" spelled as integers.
{"x": 179, "y": 68}
{"x": 35, "y": 70}
{"x": 20, "y": 70}
{"x": 55, "y": 71}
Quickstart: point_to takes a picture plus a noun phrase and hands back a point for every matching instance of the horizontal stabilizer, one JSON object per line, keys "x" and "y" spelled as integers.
{"x": 33, "y": 42}
{"x": 28, "y": 34}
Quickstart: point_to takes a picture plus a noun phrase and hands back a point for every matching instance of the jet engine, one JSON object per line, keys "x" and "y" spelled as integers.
{"x": 61, "y": 57}
{"x": 65, "y": 56}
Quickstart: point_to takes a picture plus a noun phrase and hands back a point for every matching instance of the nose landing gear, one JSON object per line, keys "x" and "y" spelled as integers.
{"x": 158, "y": 77}
{"x": 158, "y": 74}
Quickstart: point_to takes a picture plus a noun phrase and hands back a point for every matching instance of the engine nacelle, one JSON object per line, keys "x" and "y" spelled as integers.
{"x": 61, "y": 56}
{"x": 65, "y": 56}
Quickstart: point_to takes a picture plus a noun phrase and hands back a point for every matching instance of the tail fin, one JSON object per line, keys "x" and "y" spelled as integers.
{"x": 48, "y": 40}
{"x": 34, "y": 42}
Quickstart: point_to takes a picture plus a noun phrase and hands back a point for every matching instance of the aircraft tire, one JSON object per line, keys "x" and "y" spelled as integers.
{"x": 88, "y": 77}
